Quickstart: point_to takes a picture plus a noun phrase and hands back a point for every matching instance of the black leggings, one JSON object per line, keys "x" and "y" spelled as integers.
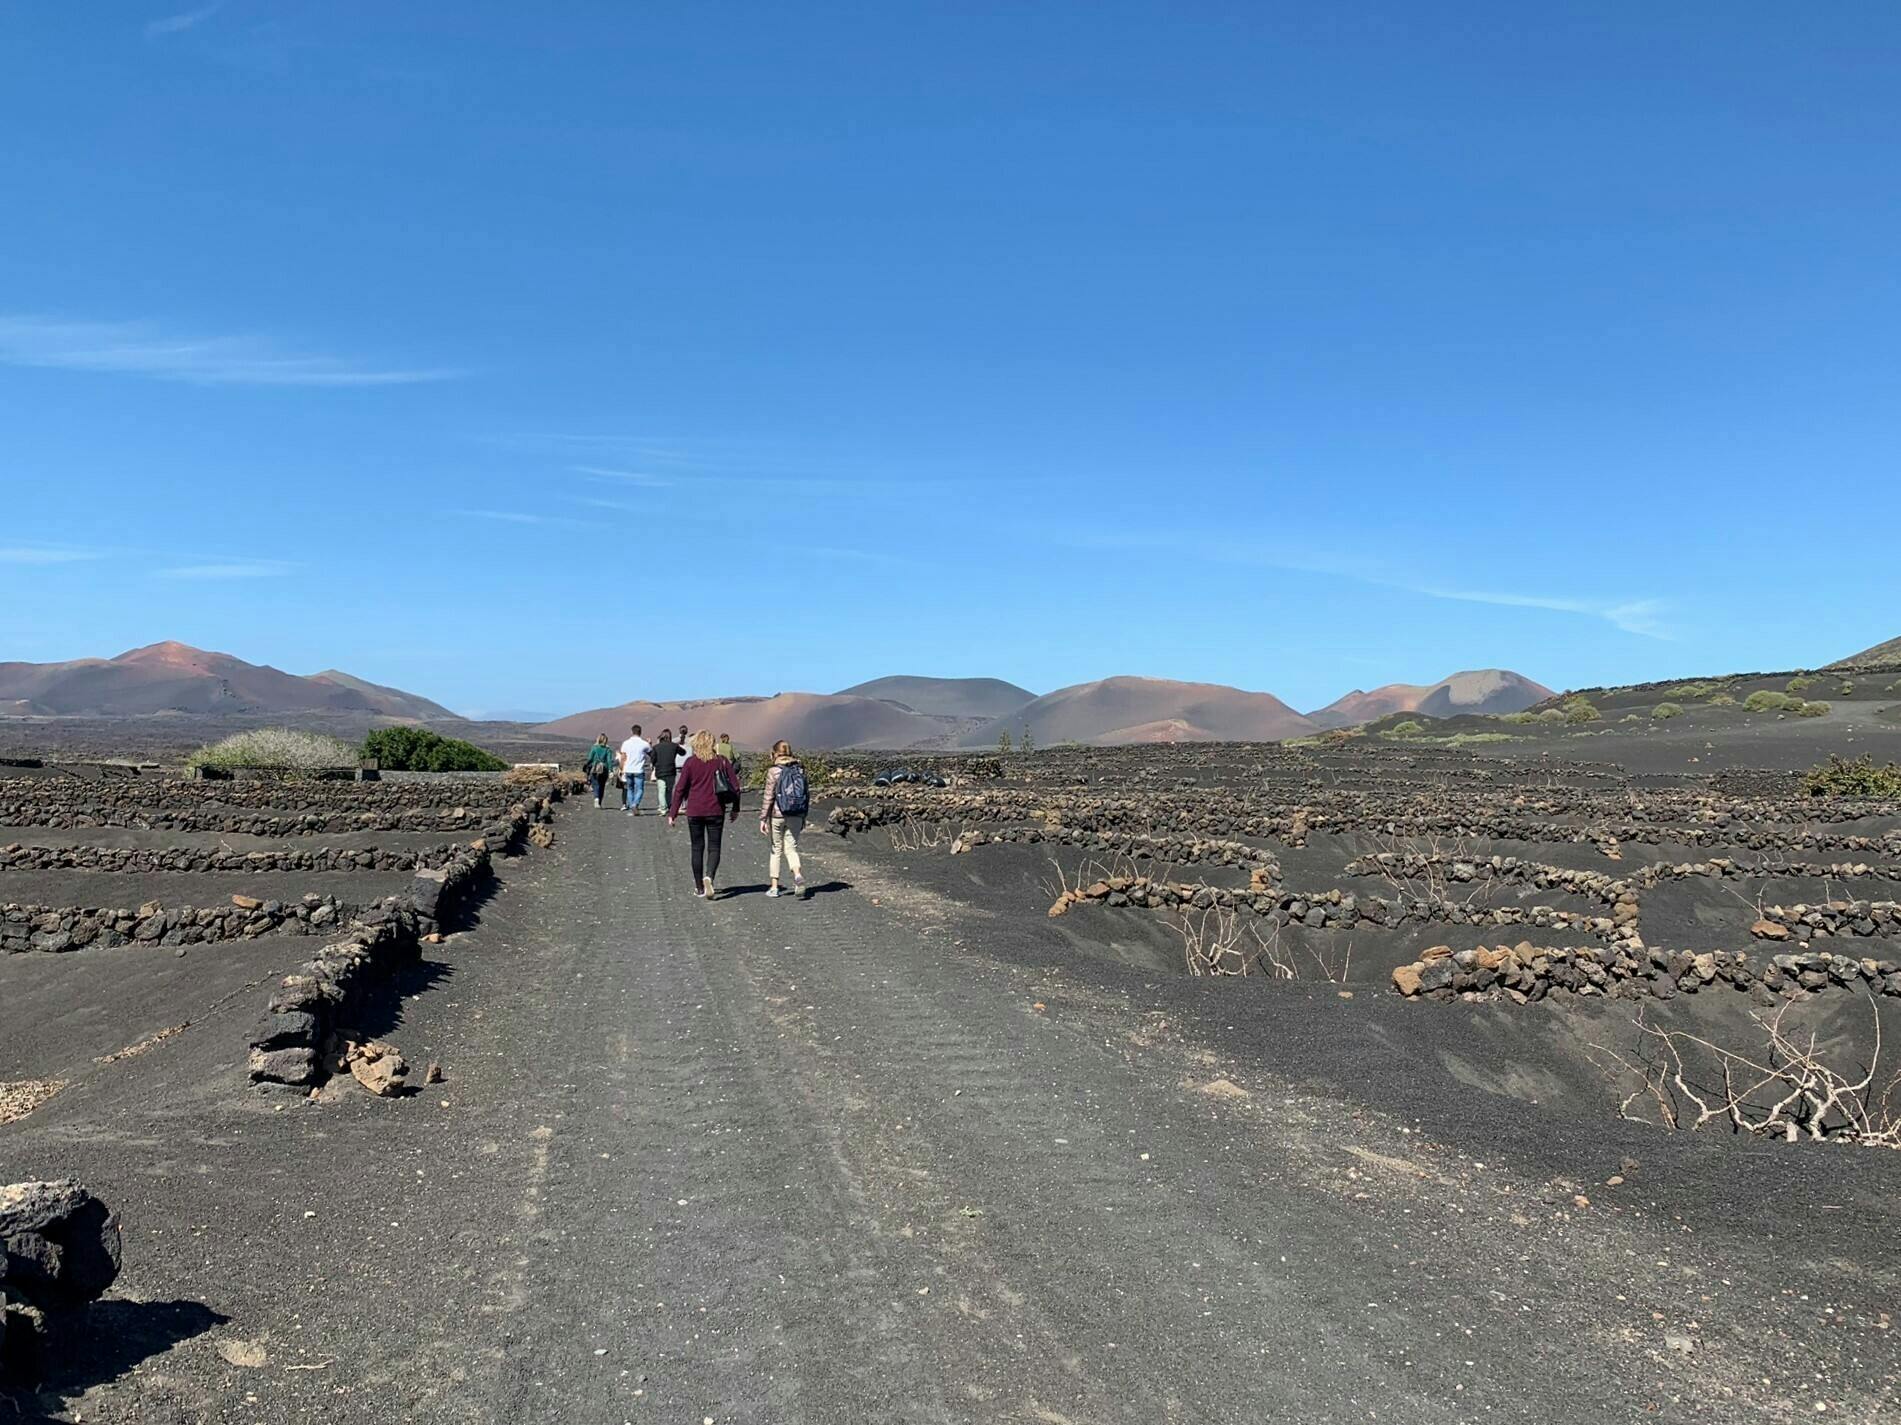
{"x": 706, "y": 832}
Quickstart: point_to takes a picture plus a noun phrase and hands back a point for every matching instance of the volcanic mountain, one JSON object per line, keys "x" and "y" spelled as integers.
{"x": 1882, "y": 655}
{"x": 946, "y": 697}
{"x": 1488, "y": 691}
{"x": 1119, "y": 710}
{"x": 176, "y": 678}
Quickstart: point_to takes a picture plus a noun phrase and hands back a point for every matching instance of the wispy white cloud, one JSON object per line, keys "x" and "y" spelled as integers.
{"x": 232, "y": 569}
{"x": 133, "y": 349}
{"x": 623, "y": 477}
{"x": 851, "y": 556}
{"x": 519, "y": 517}
{"x": 185, "y": 20}
{"x": 1644, "y": 617}
{"x": 37, "y": 554}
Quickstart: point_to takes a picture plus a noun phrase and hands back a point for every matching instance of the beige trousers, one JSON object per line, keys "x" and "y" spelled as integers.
{"x": 785, "y": 844}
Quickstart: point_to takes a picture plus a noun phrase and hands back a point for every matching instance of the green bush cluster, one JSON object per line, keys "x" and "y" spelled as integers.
{"x": 1722, "y": 700}
{"x": 1578, "y": 708}
{"x": 1550, "y": 717}
{"x": 1663, "y": 711}
{"x": 1690, "y": 691}
{"x": 416, "y": 749}
{"x": 1768, "y": 700}
{"x": 282, "y": 748}
{"x": 1847, "y": 689}
{"x": 1857, "y": 777}
{"x": 1408, "y": 728}
{"x": 1800, "y": 683}
{"x": 1813, "y": 710}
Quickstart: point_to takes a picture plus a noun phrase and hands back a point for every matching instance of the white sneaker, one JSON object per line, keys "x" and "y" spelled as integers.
{"x": 771, "y": 891}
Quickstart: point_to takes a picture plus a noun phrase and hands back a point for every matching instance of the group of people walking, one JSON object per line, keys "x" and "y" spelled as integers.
{"x": 700, "y": 774}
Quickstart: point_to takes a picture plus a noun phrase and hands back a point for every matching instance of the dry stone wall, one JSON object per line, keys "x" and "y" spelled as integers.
{"x": 1527, "y": 972}
{"x": 445, "y": 876}
{"x": 188, "y": 860}
{"x": 1436, "y": 821}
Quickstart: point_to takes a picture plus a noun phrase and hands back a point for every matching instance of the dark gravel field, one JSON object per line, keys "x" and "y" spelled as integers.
{"x": 914, "y": 1149}
{"x": 63, "y": 1012}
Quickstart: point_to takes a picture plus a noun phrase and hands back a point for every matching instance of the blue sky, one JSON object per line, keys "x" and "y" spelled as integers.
{"x": 546, "y": 357}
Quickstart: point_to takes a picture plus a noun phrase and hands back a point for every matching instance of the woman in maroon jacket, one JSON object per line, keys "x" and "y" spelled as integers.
{"x": 709, "y": 789}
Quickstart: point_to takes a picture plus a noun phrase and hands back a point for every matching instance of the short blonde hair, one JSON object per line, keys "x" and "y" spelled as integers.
{"x": 703, "y": 745}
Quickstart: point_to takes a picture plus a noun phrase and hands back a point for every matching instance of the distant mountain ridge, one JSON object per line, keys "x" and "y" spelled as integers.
{"x": 915, "y": 711}
{"x": 177, "y": 678}
{"x": 919, "y": 712}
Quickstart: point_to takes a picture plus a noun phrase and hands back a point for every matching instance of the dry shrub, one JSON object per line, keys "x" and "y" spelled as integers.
{"x": 1217, "y": 941}
{"x": 283, "y": 748}
{"x": 1785, "y": 1087}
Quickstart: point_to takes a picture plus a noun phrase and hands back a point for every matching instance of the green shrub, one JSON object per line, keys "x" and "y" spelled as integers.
{"x": 1847, "y": 689}
{"x": 1551, "y": 716}
{"x": 1766, "y": 700}
{"x": 283, "y": 748}
{"x": 1579, "y": 708}
{"x": 1689, "y": 691}
{"x": 1472, "y": 739}
{"x": 1800, "y": 683}
{"x": 1666, "y": 710}
{"x": 1894, "y": 687}
{"x": 1408, "y": 728}
{"x": 416, "y": 749}
{"x": 1813, "y": 710}
{"x": 1859, "y": 777}
{"x": 1519, "y": 718}
{"x": 1722, "y": 700}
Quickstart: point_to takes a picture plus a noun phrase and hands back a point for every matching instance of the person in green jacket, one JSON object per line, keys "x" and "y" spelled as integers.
{"x": 600, "y": 763}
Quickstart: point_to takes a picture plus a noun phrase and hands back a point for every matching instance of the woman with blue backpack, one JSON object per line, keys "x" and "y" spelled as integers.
{"x": 782, "y": 811}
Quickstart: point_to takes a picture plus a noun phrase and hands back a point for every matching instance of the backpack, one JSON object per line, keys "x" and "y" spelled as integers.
{"x": 790, "y": 797}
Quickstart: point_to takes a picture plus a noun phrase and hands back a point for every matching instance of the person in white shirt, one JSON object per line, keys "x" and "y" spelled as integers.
{"x": 636, "y": 757}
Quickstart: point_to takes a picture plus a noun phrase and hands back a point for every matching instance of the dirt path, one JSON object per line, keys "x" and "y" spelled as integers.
{"x": 776, "y": 1161}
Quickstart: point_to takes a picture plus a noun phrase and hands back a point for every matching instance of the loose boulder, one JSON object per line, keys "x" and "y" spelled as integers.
{"x": 59, "y": 1249}
{"x": 379, "y": 1068}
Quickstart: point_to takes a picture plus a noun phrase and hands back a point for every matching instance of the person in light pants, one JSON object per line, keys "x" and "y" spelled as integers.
{"x": 782, "y": 827}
